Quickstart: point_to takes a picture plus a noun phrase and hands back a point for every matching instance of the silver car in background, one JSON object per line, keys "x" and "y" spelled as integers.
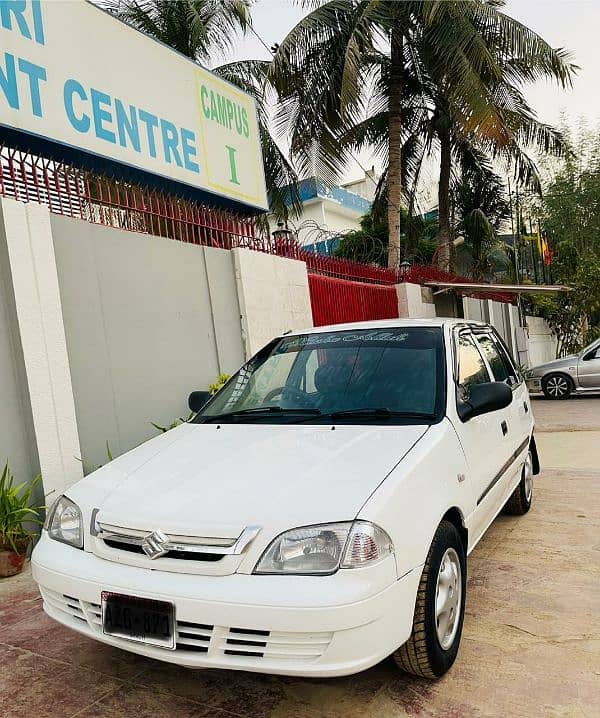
{"x": 576, "y": 373}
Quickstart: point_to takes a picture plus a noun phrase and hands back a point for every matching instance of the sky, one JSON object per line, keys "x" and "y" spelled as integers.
{"x": 571, "y": 24}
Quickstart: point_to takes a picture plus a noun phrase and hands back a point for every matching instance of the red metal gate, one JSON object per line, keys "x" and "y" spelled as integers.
{"x": 335, "y": 301}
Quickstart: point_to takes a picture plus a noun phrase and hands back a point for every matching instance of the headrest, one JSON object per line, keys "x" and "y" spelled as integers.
{"x": 332, "y": 378}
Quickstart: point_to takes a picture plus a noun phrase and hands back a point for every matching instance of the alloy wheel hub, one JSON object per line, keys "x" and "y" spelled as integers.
{"x": 528, "y": 477}
{"x": 448, "y": 598}
{"x": 557, "y": 386}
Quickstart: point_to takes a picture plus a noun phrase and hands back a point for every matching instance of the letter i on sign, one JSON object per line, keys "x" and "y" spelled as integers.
{"x": 232, "y": 166}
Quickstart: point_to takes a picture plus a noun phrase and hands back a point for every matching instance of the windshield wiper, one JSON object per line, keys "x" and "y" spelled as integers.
{"x": 379, "y": 413}
{"x": 261, "y": 410}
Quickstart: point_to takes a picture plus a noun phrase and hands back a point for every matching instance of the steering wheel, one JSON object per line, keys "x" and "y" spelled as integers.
{"x": 287, "y": 392}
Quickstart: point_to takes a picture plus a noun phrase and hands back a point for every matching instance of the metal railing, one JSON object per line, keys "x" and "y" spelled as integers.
{"x": 72, "y": 192}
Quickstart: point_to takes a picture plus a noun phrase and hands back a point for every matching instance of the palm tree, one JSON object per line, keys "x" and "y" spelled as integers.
{"x": 518, "y": 55}
{"x": 201, "y": 29}
{"x": 480, "y": 205}
{"x": 406, "y": 78}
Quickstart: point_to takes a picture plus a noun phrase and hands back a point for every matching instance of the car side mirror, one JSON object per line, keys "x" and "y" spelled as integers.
{"x": 484, "y": 398}
{"x": 197, "y": 399}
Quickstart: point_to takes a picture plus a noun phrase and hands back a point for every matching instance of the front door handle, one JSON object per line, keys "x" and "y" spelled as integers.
{"x": 526, "y": 407}
{"x": 504, "y": 427}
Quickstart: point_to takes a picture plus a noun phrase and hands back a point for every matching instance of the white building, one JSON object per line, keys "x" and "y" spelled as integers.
{"x": 328, "y": 212}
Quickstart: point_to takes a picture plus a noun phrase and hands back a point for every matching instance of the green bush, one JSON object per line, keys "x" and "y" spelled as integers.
{"x": 15, "y": 509}
{"x": 222, "y": 379}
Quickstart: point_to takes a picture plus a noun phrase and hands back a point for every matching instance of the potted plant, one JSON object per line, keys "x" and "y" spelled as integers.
{"x": 15, "y": 508}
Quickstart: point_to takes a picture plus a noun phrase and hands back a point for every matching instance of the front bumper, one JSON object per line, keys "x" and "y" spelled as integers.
{"x": 290, "y": 625}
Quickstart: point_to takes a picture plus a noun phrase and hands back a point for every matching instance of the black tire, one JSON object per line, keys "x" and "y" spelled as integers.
{"x": 557, "y": 386}
{"x": 520, "y": 500}
{"x": 423, "y": 655}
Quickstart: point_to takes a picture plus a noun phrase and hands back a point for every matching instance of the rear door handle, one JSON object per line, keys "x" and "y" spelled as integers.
{"x": 526, "y": 407}
{"x": 504, "y": 427}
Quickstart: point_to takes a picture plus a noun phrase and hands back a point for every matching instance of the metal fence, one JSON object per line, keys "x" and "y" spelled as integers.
{"x": 366, "y": 293}
{"x": 335, "y": 301}
{"x": 71, "y": 192}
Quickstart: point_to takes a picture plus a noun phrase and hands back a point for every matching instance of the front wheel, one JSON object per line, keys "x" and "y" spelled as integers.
{"x": 557, "y": 386}
{"x": 440, "y": 607}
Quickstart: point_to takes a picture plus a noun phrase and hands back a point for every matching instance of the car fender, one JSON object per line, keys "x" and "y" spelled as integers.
{"x": 410, "y": 503}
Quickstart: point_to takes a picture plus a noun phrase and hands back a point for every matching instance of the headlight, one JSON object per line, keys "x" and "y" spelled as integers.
{"x": 64, "y": 522}
{"x": 320, "y": 550}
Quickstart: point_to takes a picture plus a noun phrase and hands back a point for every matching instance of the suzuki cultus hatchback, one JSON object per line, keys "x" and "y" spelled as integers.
{"x": 314, "y": 517}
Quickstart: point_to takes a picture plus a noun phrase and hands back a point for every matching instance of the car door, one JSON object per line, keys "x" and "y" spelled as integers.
{"x": 588, "y": 368}
{"x": 484, "y": 438}
{"x": 502, "y": 367}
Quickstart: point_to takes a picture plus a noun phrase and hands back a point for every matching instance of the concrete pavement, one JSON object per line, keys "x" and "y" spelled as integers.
{"x": 531, "y": 643}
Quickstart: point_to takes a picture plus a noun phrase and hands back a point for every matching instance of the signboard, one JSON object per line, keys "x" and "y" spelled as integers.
{"x": 72, "y": 74}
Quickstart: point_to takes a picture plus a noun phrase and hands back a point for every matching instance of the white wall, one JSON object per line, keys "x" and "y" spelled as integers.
{"x": 273, "y": 296}
{"x": 17, "y": 438}
{"x": 29, "y": 255}
{"x": 140, "y": 329}
{"x": 542, "y": 343}
{"x": 415, "y": 301}
{"x": 476, "y": 309}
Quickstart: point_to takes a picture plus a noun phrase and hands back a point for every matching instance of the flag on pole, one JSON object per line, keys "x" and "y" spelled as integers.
{"x": 546, "y": 255}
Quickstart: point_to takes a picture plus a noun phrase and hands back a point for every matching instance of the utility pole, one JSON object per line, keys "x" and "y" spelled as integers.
{"x": 512, "y": 228}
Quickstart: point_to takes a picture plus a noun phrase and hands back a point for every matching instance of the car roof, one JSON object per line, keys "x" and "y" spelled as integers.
{"x": 388, "y": 324}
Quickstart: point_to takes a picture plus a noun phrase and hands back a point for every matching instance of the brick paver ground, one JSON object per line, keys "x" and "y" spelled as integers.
{"x": 531, "y": 641}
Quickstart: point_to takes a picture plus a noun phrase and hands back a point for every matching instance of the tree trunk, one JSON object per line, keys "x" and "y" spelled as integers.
{"x": 394, "y": 178}
{"x": 444, "y": 232}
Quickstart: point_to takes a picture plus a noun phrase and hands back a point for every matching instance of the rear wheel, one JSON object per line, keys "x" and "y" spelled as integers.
{"x": 520, "y": 500}
{"x": 440, "y": 607}
{"x": 557, "y": 386}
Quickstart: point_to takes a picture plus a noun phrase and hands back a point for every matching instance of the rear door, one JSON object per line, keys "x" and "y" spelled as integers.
{"x": 484, "y": 438}
{"x": 502, "y": 367}
{"x": 588, "y": 368}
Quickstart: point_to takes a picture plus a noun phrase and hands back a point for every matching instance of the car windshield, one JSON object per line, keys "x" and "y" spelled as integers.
{"x": 377, "y": 376}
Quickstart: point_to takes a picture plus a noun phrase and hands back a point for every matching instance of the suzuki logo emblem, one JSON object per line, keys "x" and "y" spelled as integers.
{"x": 155, "y": 544}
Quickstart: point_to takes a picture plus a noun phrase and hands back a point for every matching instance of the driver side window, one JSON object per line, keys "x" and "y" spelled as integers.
{"x": 593, "y": 354}
{"x": 471, "y": 367}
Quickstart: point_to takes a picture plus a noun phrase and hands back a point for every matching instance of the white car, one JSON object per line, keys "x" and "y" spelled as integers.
{"x": 314, "y": 517}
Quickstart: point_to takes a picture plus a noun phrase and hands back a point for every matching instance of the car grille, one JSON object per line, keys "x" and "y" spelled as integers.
{"x": 189, "y": 636}
{"x": 276, "y": 645}
{"x": 216, "y": 556}
{"x": 189, "y": 548}
{"x": 250, "y": 645}
{"x": 185, "y": 555}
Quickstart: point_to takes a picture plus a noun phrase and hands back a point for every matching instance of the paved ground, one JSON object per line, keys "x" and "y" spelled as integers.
{"x": 531, "y": 642}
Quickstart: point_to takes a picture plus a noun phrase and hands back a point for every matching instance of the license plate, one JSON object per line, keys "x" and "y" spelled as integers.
{"x": 138, "y": 619}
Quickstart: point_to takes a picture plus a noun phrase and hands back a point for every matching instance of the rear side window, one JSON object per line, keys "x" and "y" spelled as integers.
{"x": 514, "y": 377}
{"x": 497, "y": 363}
{"x": 471, "y": 367}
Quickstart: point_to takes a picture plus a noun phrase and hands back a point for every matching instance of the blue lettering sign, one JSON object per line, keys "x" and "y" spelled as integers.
{"x": 99, "y": 100}
{"x": 35, "y": 73}
{"x": 72, "y": 87}
{"x": 188, "y": 140}
{"x": 170, "y": 138}
{"x": 8, "y": 81}
{"x": 151, "y": 122}
{"x": 16, "y": 9}
{"x": 127, "y": 125}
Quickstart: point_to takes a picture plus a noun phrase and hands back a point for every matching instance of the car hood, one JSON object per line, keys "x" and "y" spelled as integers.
{"x": 202, "y": 479}
{"x": 555, "y": 364}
